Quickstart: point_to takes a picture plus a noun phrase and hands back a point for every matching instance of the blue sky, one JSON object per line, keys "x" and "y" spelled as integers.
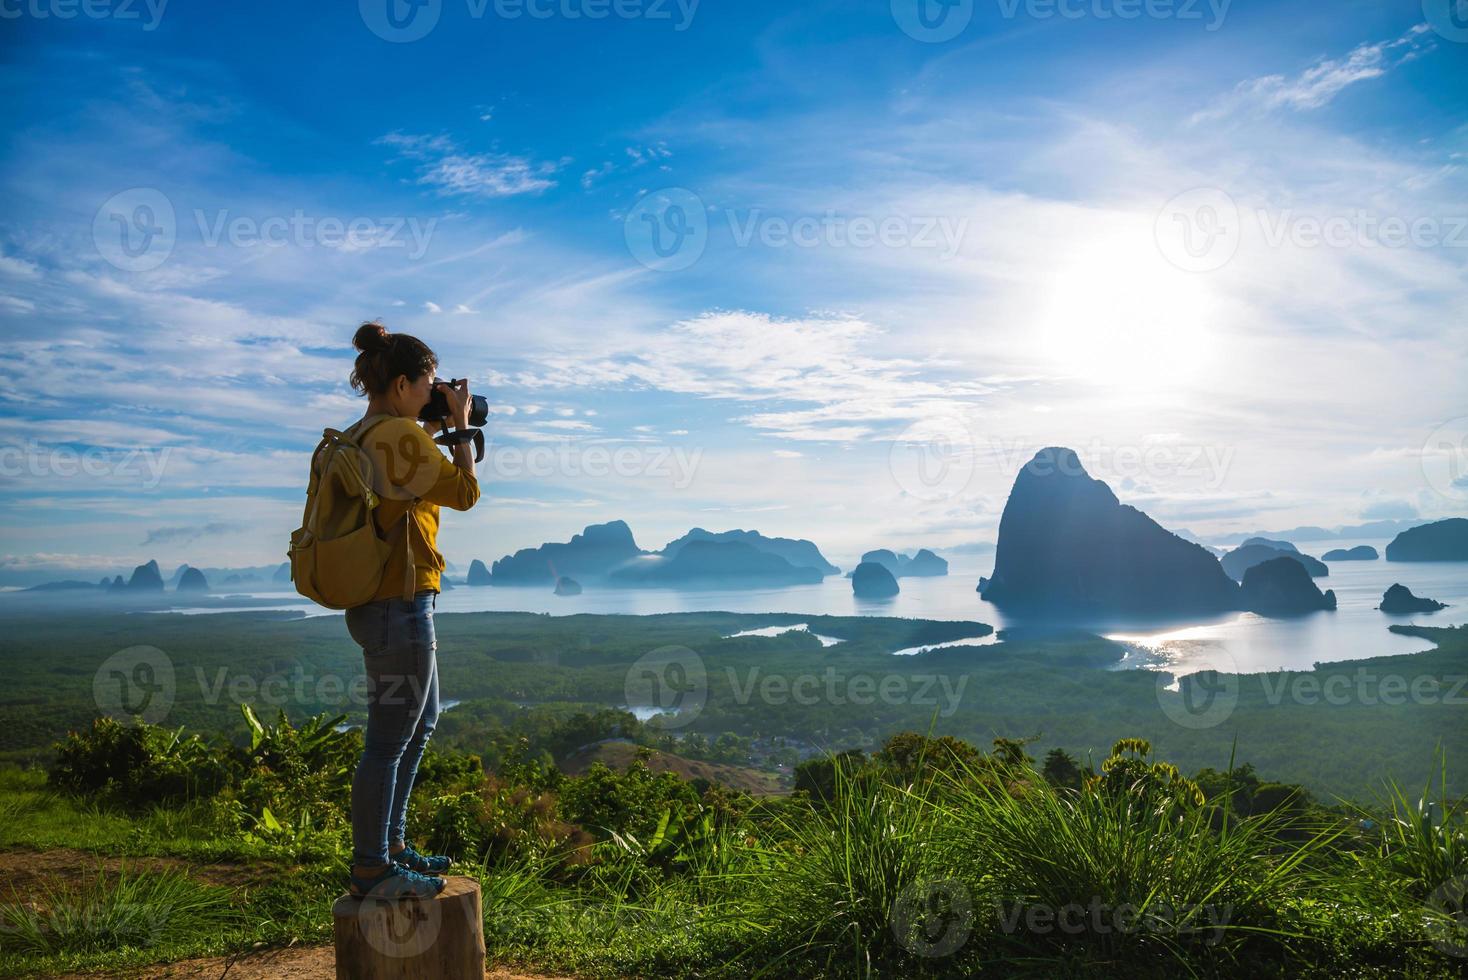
{"x": 1218, "y": 249}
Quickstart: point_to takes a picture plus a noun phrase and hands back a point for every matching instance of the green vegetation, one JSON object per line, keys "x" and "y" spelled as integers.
{"x": 927, "y": 858}
{"x": 522, "y": 680}
{"x": 1017, "y": 836}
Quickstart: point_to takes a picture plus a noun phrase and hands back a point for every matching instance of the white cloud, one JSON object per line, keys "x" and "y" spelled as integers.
{"x": 1325, "y": 79}
{"x": 818, "y": 366}
{"x": 450, "y": 170}
{"x": 19, "y": 268}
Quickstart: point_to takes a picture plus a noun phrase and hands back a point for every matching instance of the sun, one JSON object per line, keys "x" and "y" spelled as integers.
{"x": 1117, "y": 314}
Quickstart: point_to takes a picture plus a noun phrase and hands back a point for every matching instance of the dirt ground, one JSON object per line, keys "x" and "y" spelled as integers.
{"x": 23, "y": 871}
{"x": 298, "y": 963}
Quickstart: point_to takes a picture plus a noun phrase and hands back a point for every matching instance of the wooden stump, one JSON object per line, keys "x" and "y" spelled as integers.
{"x": 409, "y": 939}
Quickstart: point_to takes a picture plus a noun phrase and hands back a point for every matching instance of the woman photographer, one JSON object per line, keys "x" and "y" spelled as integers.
{"x": 413, "y": 479}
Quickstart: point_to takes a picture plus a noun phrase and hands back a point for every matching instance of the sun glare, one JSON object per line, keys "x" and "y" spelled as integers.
{"x": 1117, "y": 314}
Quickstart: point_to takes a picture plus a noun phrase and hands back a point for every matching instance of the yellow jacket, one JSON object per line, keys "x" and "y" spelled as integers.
{"x": 408, "y": 464}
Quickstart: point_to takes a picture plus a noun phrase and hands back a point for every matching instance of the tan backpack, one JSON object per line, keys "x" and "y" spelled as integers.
{"x": 337, "y": 559}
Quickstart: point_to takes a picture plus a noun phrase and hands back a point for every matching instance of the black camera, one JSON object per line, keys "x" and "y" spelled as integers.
{"x": 437, "y": 409}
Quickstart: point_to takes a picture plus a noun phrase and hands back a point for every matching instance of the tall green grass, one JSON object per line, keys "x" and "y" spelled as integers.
{"x": 108, "y": 913}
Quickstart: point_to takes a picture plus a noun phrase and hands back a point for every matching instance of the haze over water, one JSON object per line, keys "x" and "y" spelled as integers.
{"x": 1243, "y": 642}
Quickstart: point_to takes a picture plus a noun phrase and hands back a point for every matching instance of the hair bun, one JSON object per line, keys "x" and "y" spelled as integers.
{"x": 371, "y": 338}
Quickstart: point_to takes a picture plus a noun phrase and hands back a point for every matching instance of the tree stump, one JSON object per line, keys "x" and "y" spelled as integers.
{"x": 408, "y": 939}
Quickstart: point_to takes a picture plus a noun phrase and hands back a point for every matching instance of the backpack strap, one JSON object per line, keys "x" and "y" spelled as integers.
{"x": 354, "y": 433}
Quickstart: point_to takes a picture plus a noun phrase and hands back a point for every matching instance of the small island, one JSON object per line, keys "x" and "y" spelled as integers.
{"x": 872, "y": 580}
{"x": 1282, "y": 587}
{"x": 1362, "y": 552}
{"x": 1399, "y": 599}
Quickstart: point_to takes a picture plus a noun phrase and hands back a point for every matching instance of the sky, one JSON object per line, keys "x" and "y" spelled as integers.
{"x": 831, "y": 270}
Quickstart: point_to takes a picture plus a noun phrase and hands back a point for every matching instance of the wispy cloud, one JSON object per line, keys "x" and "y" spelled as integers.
{"x": 817, "y": 374}
{"x": 450, "y": 170}
{"x": 185, "y": 534}
{"x": 1317, "y": 85}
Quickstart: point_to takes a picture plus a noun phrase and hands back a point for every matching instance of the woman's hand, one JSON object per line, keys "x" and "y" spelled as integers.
{"x": 458, "y": 399}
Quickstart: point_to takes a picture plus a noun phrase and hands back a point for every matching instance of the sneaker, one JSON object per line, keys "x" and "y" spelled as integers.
{"x": 434, "y": 864}
{"x": 396, "y": 881}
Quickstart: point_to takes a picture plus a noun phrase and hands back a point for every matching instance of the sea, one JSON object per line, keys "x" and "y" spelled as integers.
{"x": 1233, "y": 642}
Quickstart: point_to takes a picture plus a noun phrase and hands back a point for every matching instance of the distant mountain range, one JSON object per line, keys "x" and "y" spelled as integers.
{"x": 1310, "y": 532}
{"x": 608, "y": 554}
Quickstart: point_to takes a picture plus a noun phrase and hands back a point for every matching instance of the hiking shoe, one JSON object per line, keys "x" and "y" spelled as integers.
{"x": 428, "y": 864}
{"x": 396, "y": 881}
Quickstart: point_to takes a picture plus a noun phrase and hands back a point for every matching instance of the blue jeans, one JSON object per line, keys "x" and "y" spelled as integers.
{"x": 399, "y": 651}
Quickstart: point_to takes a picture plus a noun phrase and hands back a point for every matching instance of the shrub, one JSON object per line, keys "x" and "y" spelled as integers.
{"x": 137, "y": 763}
